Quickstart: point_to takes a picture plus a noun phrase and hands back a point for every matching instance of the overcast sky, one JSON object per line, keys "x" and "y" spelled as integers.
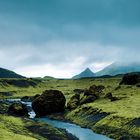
{"x": 61, "y": 38}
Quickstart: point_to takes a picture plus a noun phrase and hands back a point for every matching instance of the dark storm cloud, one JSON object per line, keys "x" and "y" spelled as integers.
{"x": 38, "y": 32}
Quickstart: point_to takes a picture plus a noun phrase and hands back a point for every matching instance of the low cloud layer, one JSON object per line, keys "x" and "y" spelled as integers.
{"x": 60, "y": 38}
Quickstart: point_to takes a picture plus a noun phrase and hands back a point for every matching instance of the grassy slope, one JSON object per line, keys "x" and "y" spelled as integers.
{"x": 121, "y": 111}
{"x": 14, "y": 128}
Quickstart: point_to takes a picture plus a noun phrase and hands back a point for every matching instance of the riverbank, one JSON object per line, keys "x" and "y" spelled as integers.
{"x": 71, "y": 130}
{"x": 23, "y": 128}
{"x": 115, "y": 127}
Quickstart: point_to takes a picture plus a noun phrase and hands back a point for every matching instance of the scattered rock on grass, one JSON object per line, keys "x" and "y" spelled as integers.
{"x": 96, "y": 89}
{"x": 114, "y": 99}
{"x": 111, "y": 97}
{"x": 88, "y": 99}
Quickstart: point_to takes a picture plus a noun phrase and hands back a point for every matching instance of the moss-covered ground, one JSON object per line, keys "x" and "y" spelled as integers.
{"x": 121, "y": 114}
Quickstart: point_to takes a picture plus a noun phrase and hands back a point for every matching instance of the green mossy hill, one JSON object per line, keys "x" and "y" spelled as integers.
{"x": 49, "y": 78}
{"x": 24, "y": 82}
{"x": 4, "y": 73}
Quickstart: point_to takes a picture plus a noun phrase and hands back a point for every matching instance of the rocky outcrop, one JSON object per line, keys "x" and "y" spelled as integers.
{"x": 18, "y": 109}
{"x": 50, "y": 101}
{"x": 36, "y": 96}
{"x": 96, "y": 89}
{"x": 74, "y": 101}
{"x": 89, "y": 95}
{"x": 88, "y": 99}
{"x": 92, "y": 94}
{"x": 131, "y": 79}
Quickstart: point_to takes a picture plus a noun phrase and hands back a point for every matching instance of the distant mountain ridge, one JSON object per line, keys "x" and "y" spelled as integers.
{"x": 4, "y": 73}
{"x": 119, "y": 68}
{"x": 85, "y": 74}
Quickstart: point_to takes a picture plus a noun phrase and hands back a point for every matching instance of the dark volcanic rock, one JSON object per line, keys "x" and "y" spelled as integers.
{"x": 3, "y": 107}
{"x": 114, "y": 99}
{"x": 79, "y": 91}
{"x": 74, "y": 101}
{"x": 92, "y": 94}
{"x": 18, "y": 109}
{"x": 50, "y": 101}
{"x": 36, "y": 96}
{"x": 109, "y": 95}
{"x": 29, "y": 98}
{"x": 131, "y": 79}
{"x": 88, "y": 99}
{"x": 96, "y": 89}
{"x": 26, "y": 99}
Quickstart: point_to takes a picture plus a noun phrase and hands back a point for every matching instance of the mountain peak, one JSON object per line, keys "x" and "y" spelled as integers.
{"x": 85, "y": 74}
{"x": 87, "y": 69}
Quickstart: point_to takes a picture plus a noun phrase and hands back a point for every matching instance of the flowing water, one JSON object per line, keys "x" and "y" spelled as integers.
{"x": 76, "y": 130}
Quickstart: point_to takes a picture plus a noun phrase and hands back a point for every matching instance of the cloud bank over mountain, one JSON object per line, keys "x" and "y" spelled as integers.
{"x": 61, "y": 38}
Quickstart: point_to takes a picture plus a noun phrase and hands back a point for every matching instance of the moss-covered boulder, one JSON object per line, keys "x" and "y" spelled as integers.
{"x": 96, "y": 89}
{"x": 111, "y": 97}
{"x": 50, "y": 101}
{"x": 36, "y": 96}
{"x": 18, "y": 109}
{"x": 131, "y": 79}
{"x": 26, "y": 99}
{"x": 88, "y": 99}
{"x": 29, "y": 98}
{"x": 74, "y": 101}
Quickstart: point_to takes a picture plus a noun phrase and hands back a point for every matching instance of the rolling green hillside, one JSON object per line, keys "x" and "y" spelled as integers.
{"x": 4, "y": 73}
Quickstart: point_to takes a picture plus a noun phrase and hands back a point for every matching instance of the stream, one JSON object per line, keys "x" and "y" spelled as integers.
{"x": 76, "y": 130}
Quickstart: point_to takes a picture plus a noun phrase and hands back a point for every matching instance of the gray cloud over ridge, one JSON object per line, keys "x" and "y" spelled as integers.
{"x": 70, "y": 35}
